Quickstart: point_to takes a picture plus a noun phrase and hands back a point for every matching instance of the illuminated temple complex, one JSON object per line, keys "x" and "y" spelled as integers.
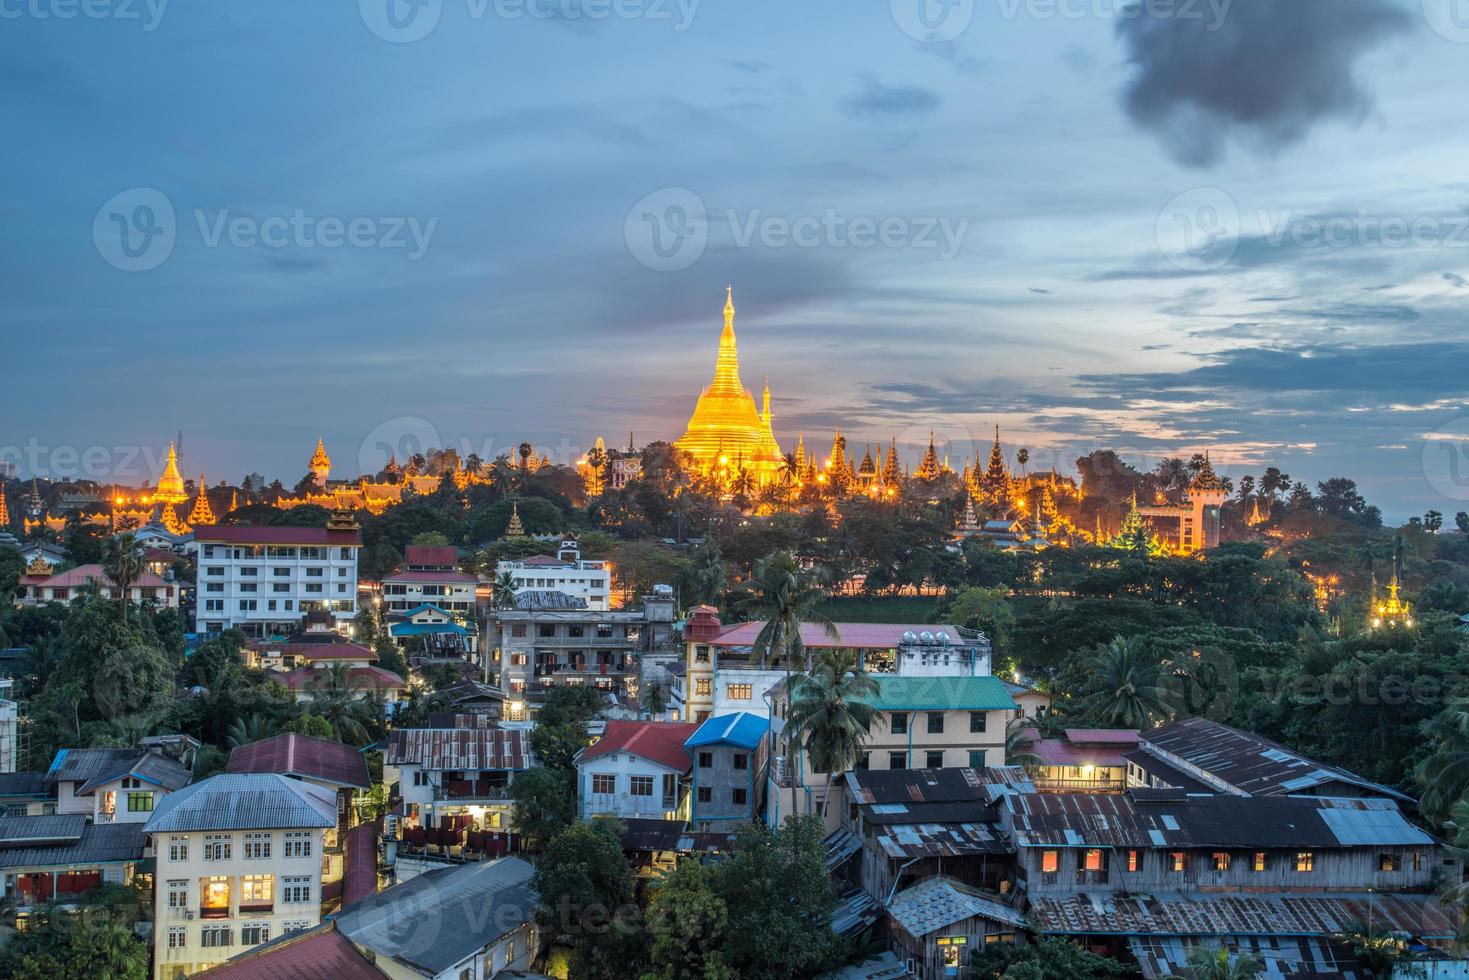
{"x": 727, "y": 433}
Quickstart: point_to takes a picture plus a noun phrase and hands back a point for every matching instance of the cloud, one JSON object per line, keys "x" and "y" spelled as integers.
{"x": 750, "y": 67}
{"x": 890, "y": 100}
{"x": 1040, "y": 292}
{"x": 1456, "y": 280}
{"x": 1260, "y": 73}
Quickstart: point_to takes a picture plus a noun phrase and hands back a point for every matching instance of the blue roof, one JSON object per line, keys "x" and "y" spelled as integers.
{"x": 429, "y": 606}
{"x": 741, "y": 728}
{"x": 429, "y": 629}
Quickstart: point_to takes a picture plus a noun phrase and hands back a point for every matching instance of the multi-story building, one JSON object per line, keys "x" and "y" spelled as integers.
{"x": 66, "y": 587}
{"x": 9, "y": 727}
{"x": 636, "y": 770}
{"x": 461, "y": 772}
{"x": 115, "y": 785}
{"x": 265, "y": 580}
{"x": 62, "y": 855}
{"x": 587, "y": 579}
{"x": 430, "y": 576}
{"x": 728, "y": 774}
{"x": 239, "y": 865}
{"x": 538, "y": 650}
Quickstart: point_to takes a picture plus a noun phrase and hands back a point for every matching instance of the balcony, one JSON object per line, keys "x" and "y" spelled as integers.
{"x": 1055, "y": 784}
{"x": 473, "y": 789}
{"x": 210, "y": 912}
{"x": 264, "y": 908}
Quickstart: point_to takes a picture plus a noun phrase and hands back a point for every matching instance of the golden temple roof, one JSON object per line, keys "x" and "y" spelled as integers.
{"x": 171, "y": 484}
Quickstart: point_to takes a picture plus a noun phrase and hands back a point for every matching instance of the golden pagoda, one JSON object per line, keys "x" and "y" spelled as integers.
{"x": 1395, "y": 611}
{"x": 514, "y": 528}
{"x": 726, "y": 426}
{"x": 4, "y": 510}
{"x": 929, "y": 469}
{"x": 201, "y": 514}
{"x": 321, "y": 463}
{"x": 170, "y": 484}
{"x": 171, "y": 521}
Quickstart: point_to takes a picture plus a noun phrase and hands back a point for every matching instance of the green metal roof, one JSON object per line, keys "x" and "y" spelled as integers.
{"x": 940, "y": 694}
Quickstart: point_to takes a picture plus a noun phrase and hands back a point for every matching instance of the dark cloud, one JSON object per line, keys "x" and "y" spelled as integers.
{"x": 876, "y": 98}
{"x": 1040, "y": 292}
{"x": 1261, "y": 73}
{"x": 1456, "y": 280}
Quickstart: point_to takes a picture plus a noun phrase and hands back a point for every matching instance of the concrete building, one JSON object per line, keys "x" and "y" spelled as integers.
{"x": 239, "y": 865}
{"x": 459, "y": 774}
{"x": 115, "y": 785}
{"x": 587, "y": 579}
{"x": 265, "y": 580}
{"x": 66, "y": 587}
{"x": 9, "y": 727}
{"x": 57, "y": 856}
{"x": 729, "y": 770}
{"x": 637, "y": 769}
{"x": 331, "y": 765}
{"x": 430, "y": 575}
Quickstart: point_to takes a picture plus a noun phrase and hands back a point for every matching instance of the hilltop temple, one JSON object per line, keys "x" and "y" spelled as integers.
{"x": 727, "y": 433}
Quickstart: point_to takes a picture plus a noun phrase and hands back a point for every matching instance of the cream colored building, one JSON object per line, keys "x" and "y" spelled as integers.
{"x": 239, "y": 864}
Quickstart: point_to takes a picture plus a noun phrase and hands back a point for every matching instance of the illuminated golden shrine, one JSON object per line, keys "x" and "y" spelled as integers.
{"x": 1395, "y": 611}
{"x": 170, "y": 484}
{"x": 727, "y": 433}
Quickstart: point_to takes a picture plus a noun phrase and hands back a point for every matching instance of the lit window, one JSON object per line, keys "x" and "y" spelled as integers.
{"x": 1221, "y": 861}
{"x": 257, "y": 891}
{"x": 215, "y": 894}
{"x": 1259, "y": 861}
{"x": 1050, "y": 861}
{"x": 1387, "y": 862}
{"x": 1092, "y": 860}
{"x": 1305, "y": 861}
{"x": 1178, "y": 859}
{"x": 1134, "y": 861}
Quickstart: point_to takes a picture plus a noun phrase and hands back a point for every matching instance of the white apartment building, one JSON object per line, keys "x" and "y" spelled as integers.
{"x": 114, "y": 785}
{"x": 568, "y": 572}
{"x": 637, "y": 769}
{"x": 264, "y": 580}
{"x": 240, "y": 861}
{"x": 430, "y": 576}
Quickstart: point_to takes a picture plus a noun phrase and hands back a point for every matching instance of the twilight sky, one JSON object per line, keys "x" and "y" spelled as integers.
{"x": 1241, "y": 226}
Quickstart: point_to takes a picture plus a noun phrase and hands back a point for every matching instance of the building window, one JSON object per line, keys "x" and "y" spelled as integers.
{"x": 1050, "y": 862}
{"x": 979, "y": 722}
{"x": 1134, "y": 862}
{"x": 706, "y": 795}
{"x": 1387, "y": 862}
{"x": 178, "y": 848}
{"x": 216, "y": 847}
{"x": 739, "y": 796}
{"x": 641, "y": 785}
{"x": 546, "y": 630}
{"x": 257, "y": 892}
{"x": 298, "y": 844}
{"x": 1259, "y": 864}
{"x": 517, "y": 629}
{"x": 295, "y": 925}
{"x": 976, "y": 758}
{"x": 899, "y": 723}
{"x": 934, "y": 759}
{"x": 213, "y": 937}
{"x": 257, "y": 847}
{"x": 701, "y": 686}
{"x": 1091, "y": 860}
{"x": 741, "y": 760}
{"x": 178, "y": 937}
{"x": 706, "y": 760}
{"x": 1305, "y": 861}
{"x": 1178, "y": 860}
{"x": 741, "y": 692}
{"x": 178, "y": 893}
{"x": 897, "y": 760}
{"x": 1417, "y": 860}
{"x": 254, "y": 933}
{"x": 215, "y": 897}
{"x": 576, "y": 631}
{"x": 1221, "y": 860}
{"x": 296, "y": 890}
{"x": 604, "y": 784}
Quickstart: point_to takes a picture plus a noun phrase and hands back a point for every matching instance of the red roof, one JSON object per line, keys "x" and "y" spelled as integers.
{"x": 359, "y": 881}
{"x": 542, "y": 561}
{"x": 1102, "y": 736}
{"x": 656, "y": 741}
{"x": 431, "y": 577}
{"x": 443, "y": 556}
{"x": 326, "y": 651}
{"x": 275, "y": 535}
{"x": 161, "y": 554}
{"x": 1055, "y": 752}
{"x": 368, "y": 678}
{"x": 82, "y": 574}
{"x": 856, "y": 636}
{"x": 318, "y": 954}
{"x": 292, "y": 754}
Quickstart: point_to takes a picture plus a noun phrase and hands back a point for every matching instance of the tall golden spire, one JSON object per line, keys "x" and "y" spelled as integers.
{"x": 4, "y": 509}
{"x": 201, "y": 514}
{"x": 514, "y": 528}
{"x": 321, "y": 463}
{"x": 170, "y": 485}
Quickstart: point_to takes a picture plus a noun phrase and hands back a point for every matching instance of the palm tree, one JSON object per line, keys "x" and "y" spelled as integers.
{"x": 1132, "y": 688}
{"x": 831, "y": 715}
{"x": 785, "y": 597}
{"x": 1018, "y": 744}
{"x": 503, "y": 591}
{"x": 123, "y": 563}
{"x": 244, "y": 730}
{"x": 1215, "y": 963}
{"x": 1444, "y": 775}
{"x": 707, "y": 577}
{"x": 339, "y": 698}
{"x": 655, "y": 699}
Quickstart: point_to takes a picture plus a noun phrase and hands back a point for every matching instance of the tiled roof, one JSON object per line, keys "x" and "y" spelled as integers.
{"x": 937, "y": 902}
{"x": 1102, "y": 736}
{"x": 366, "y": 678}
{"x": 97, "y": 767}
{"x": 293, "y": 754}
{"x": 275, "y": 535}
{"x": 245, "y": 801}
{"x": 657, "y": 741}
{"x": 458, "y": 749}
{"x": 1249, "y": 763}
{"x": 76, "y": 577}
{"x": 856, "y": 636}
{"x": 741, "y": 728}
{"x": 422, "y": 555}
{"x": 434, "y": 921}
{"x": 897, "y": 693}
{"x": 22, "y": 784}
{"x": 430, "y": 578}
{"x": 106, "y": 843}
{"x": 322, "y": 953}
